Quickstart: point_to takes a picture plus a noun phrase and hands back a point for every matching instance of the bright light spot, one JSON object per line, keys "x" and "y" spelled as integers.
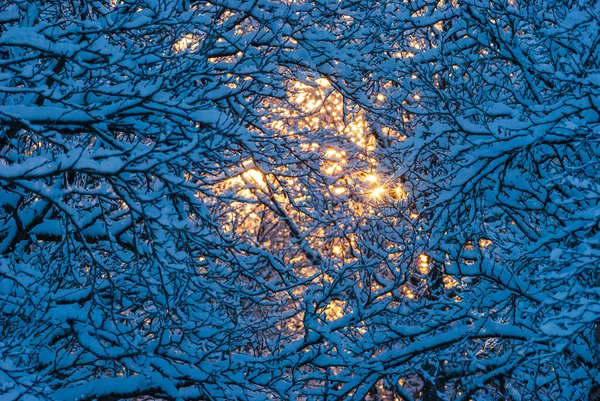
{"x": 378, "y": 192}
{"x": 337, "y": 250}
{"x": 324, "y": 82}
{"x": 335, "y": 154}
{"x": 400, "y": 192}
{"x": 404, "y": 54}
{"x": 254, "y": 175}
{"x": 334, "y": 310}
{"x": 278, "y": 125}
{"x": 423, "y": 263}
{"x": 485, "y": 243}
{"x": 310, "y": 146}
{"x": 338, "y": 190}
{"x": 381, "y": 97}
{"x": 189, "y": 41}
{"x": 202, "y": 266}
{"x": 408, "y": 293}
{"x": 371, "y": 178}
{"x": 450, "y": 282}
{"x": 333, "y": 168}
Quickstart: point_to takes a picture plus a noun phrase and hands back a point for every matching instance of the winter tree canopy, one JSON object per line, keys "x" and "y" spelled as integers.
{"x": 300, "y": 200}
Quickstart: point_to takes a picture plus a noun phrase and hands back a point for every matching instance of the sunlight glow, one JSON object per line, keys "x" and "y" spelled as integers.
{"x": 334, "y": 136}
